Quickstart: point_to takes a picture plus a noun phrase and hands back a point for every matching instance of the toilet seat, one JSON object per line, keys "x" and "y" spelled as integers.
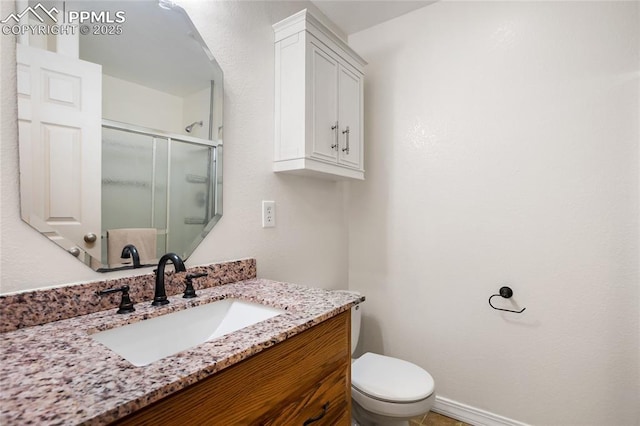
{"x": 364, "y": 407}
{"x": 390, "y": 379}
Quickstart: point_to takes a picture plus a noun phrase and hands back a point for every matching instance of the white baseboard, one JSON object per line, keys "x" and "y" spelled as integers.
{"x": 472, "y": 415}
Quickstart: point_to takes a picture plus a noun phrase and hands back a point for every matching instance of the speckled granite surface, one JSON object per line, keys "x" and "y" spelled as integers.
{"x": 54, "y": 304}
{"x": 56, "y": 374}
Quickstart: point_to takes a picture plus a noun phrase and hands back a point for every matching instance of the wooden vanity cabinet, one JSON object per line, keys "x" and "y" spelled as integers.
{"x": 288, "y": 384}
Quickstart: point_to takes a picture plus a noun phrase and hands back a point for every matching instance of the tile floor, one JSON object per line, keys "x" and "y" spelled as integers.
{"x": 435, "y": 419}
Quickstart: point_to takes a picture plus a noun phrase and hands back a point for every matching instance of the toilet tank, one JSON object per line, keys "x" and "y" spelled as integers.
{"x": 356, "y": 318}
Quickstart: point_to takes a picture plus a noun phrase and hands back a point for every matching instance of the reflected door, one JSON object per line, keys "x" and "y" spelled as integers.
{"x": 59, "y": 110}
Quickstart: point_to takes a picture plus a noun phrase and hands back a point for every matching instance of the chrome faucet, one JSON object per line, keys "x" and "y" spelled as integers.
{"x": 160, "y": 296}
{"x": 131, "y": 251}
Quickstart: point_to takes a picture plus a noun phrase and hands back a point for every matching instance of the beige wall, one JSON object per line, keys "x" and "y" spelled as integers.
{"x": 196, "y": 108}
{"x": 502, "y": 148}
{"x": 132, "y": 103}
{"x": 309, "y": 245}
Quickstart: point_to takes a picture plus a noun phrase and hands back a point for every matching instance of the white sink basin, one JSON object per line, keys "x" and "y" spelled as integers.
{"x": 144, "y": 342}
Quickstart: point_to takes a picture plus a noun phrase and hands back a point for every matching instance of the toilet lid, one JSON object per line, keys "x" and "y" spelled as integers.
{"x": 390, "y": 379}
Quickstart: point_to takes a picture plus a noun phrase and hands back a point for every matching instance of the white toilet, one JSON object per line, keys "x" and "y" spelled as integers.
{"x": 386, "y": 390}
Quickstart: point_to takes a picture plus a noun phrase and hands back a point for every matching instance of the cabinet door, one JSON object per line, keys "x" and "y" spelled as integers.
{"x": 324, "y": 94}
{"x": 350, "y": 119}
{"x": 326, "y": 403}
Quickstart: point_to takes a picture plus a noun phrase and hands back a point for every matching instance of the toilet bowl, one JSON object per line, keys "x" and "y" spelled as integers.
{"x": 386, "y": 390}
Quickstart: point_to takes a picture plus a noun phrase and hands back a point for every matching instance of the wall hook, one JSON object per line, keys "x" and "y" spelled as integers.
{"x": 505, "y": 292}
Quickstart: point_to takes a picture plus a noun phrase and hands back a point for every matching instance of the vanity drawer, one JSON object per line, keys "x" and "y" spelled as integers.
{"x": 327, "y": 403}
{"x": 304, "y": 371}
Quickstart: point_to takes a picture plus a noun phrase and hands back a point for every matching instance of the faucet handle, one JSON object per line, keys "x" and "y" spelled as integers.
{"x": 190, "y": 292}
{"x": 126, "y": 305}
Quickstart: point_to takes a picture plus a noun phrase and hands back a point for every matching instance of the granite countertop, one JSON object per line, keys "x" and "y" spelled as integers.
{"x": 56, "y": 374}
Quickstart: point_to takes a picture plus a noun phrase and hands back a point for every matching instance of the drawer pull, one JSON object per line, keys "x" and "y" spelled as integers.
{"x": 318, "y": 417}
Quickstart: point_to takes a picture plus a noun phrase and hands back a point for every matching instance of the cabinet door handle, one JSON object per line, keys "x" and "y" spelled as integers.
{"x": 346, "y": 132}
{"x": 318, "y": 417}
{"x": 335, "y": 128}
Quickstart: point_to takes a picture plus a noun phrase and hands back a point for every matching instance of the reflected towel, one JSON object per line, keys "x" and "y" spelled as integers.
{"x": 143, "y": 238}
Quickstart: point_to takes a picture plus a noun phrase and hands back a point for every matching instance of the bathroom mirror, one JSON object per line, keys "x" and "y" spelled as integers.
{"x": 120, "y": 129}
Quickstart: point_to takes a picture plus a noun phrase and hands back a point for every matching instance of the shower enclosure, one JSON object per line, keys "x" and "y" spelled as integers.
{"x": 153, "y": 179}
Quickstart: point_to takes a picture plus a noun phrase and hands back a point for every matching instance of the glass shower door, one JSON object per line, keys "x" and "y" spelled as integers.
{"x": 191, "y": 192}
{"x": 134, "y": 184}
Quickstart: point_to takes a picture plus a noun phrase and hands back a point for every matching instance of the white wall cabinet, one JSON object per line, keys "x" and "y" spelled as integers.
{"x": 319, "y": 101}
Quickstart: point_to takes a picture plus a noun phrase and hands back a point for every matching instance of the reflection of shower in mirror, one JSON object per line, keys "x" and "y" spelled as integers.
{"x": 156, "y": 170}
{"x": 189, "y": 128}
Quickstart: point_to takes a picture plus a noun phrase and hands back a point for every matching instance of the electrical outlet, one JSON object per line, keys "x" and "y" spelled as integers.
{"x": 268, "y": 214}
